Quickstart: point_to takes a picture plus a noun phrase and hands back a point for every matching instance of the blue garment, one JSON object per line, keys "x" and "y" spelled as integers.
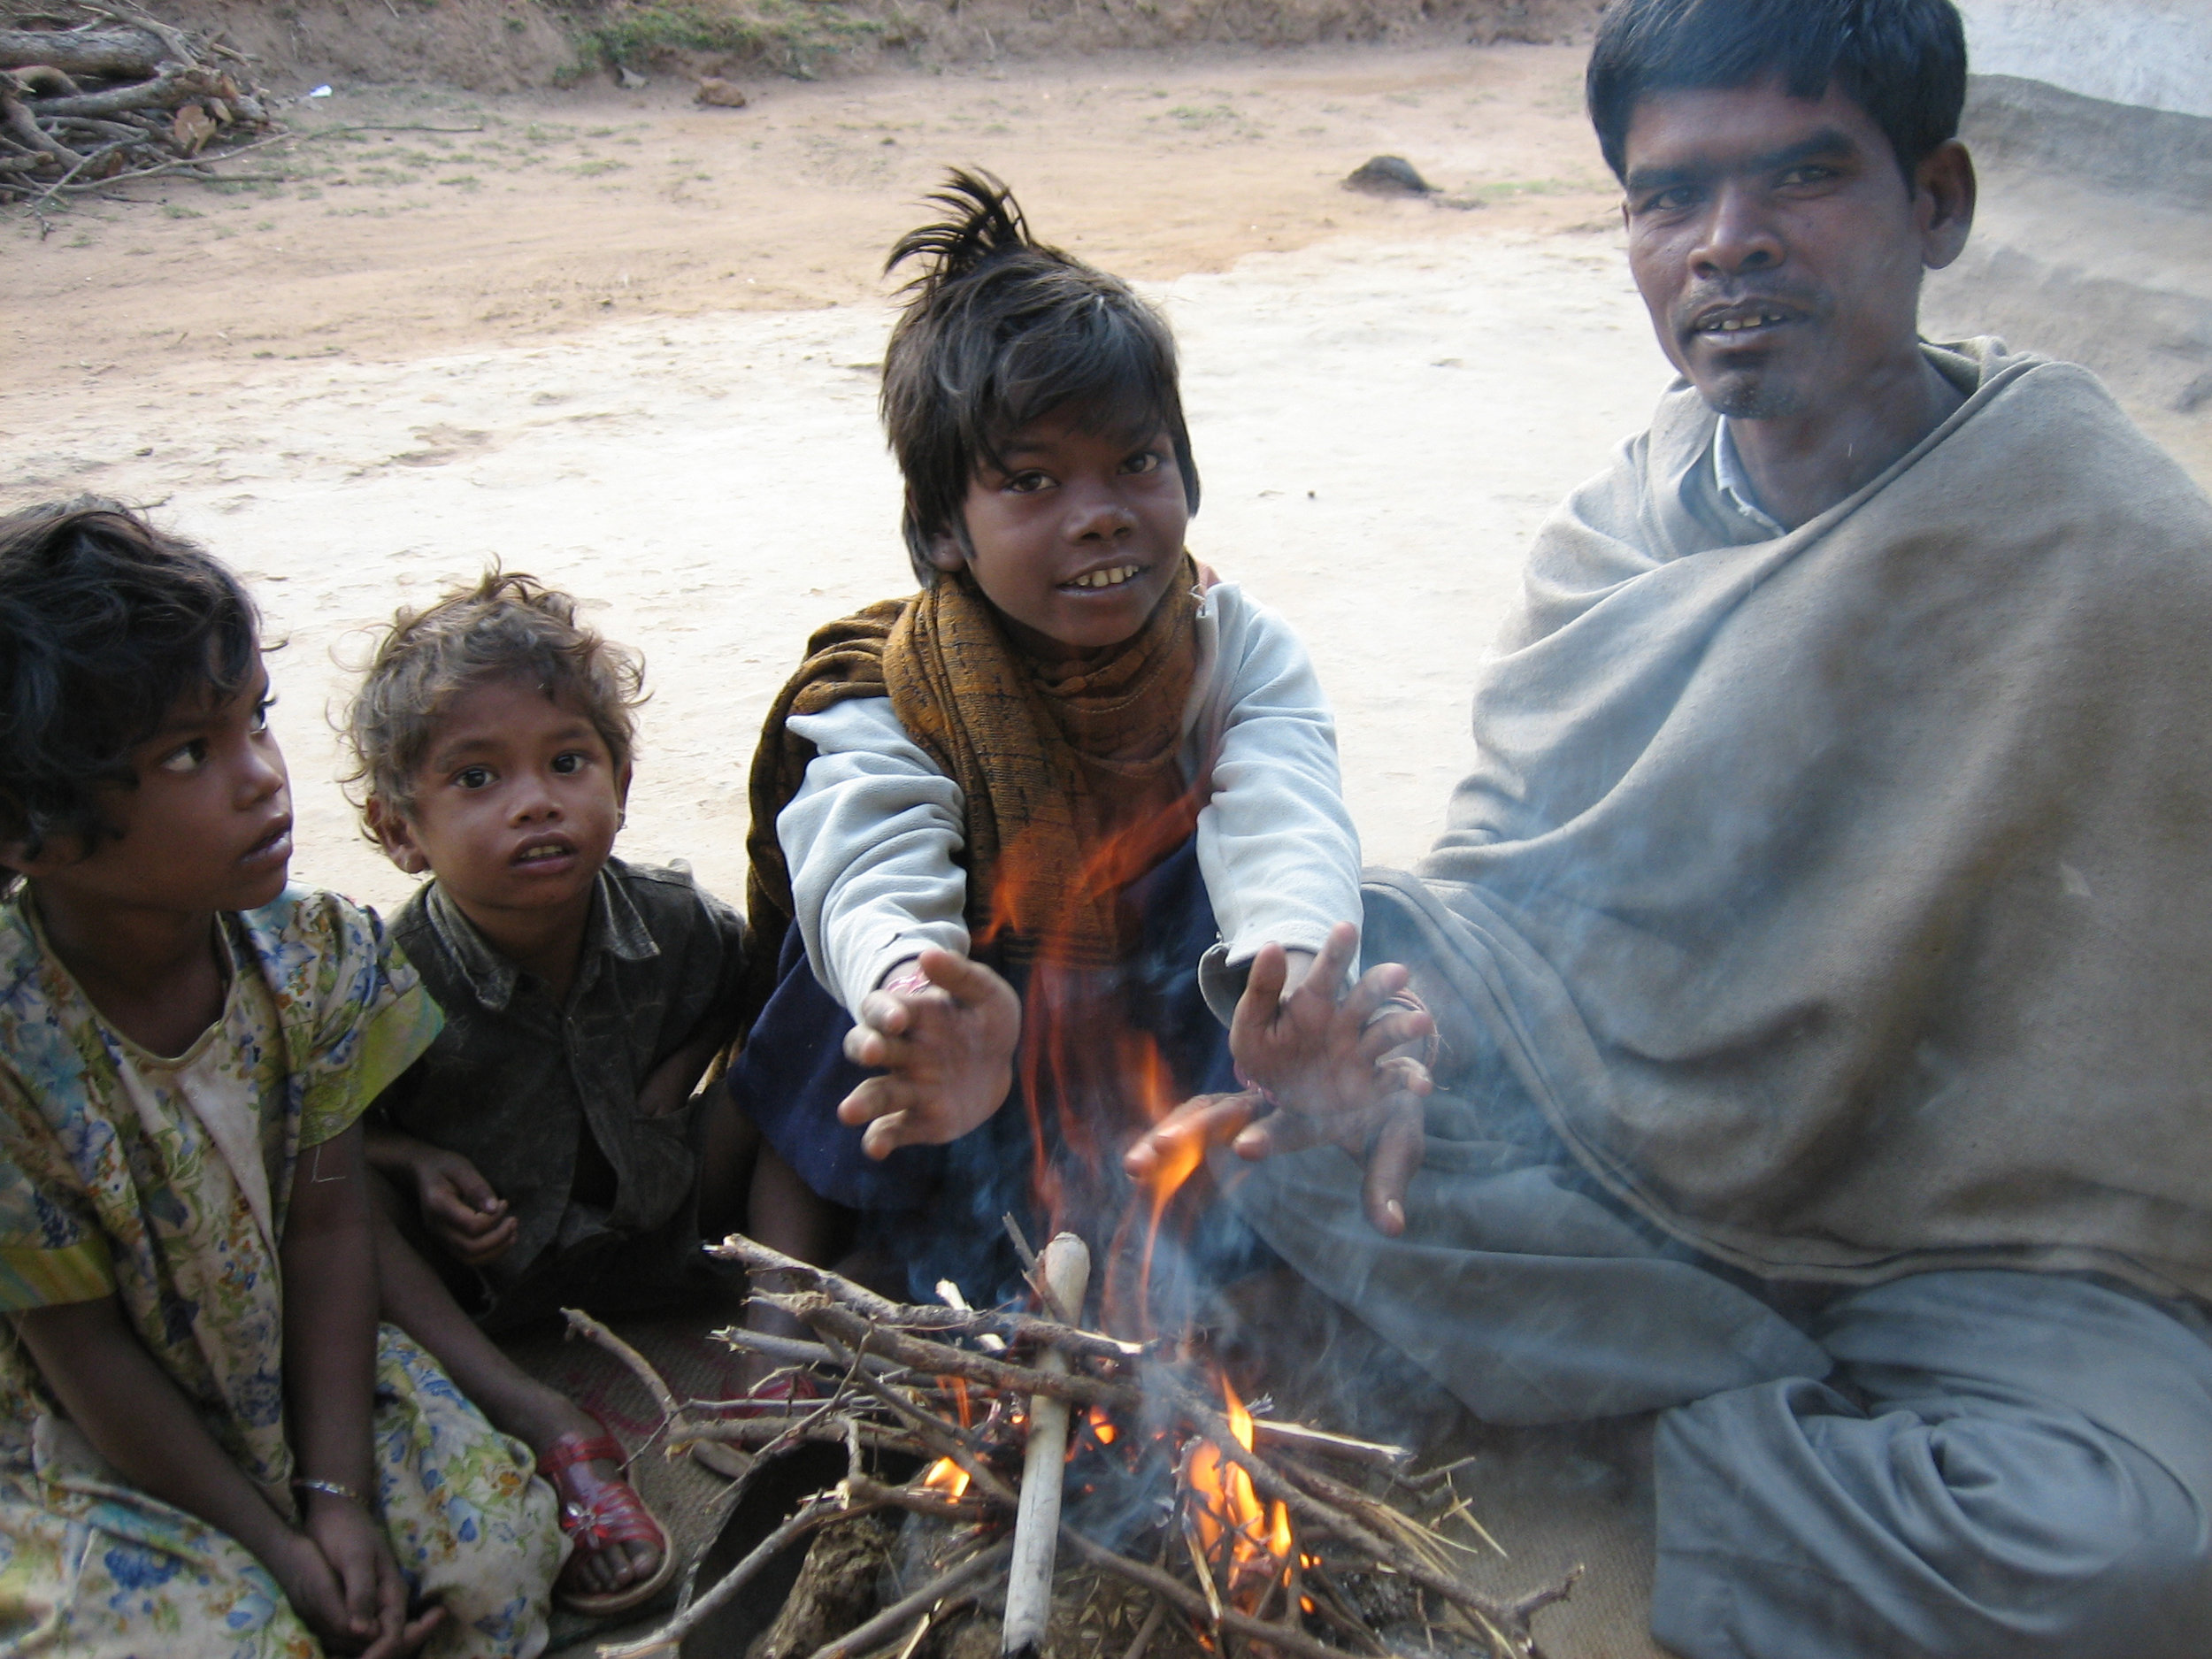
{"x": 939, "y": 1210}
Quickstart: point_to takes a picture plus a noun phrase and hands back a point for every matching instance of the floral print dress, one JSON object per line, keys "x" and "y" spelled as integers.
{"x": 165, "y": 1182}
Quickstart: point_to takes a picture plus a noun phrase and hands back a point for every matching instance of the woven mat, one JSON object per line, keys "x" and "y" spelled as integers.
{"x": 691, "y": 1502}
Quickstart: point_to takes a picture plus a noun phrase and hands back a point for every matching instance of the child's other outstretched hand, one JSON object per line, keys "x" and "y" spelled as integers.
{"x": 946, "y": 1047}
{"x": 1332, "y": 1064}
{"x": 460, "y": 1209}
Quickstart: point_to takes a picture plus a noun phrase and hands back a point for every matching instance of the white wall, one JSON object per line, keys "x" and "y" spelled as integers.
{"x": 2157, "y": 53}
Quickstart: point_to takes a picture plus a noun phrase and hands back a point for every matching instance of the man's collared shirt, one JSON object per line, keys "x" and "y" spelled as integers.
{"x": 516, "y": 1081}
{"x": 1734, "y": 484}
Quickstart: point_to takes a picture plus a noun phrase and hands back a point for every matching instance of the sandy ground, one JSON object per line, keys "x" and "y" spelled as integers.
{"x": 629, "y": 346}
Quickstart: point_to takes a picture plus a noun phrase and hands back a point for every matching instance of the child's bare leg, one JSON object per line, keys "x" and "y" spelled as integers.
{"x": 415, "y": 1298}
{"x": 785, "y": 1214}
{"x": 729, "y": 1143}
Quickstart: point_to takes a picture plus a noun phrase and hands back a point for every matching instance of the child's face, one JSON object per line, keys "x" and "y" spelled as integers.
{"x": 516, "y": 805}
{"x": 208, "y": 825}
{"x": 1079, "y": 539}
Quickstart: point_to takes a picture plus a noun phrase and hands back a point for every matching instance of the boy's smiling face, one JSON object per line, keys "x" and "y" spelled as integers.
{"x": 516, "y": 808}
{"x": 1078, "y": 537}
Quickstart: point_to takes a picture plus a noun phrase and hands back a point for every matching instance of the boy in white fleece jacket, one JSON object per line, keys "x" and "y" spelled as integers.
{"x": 1049, "y": 814}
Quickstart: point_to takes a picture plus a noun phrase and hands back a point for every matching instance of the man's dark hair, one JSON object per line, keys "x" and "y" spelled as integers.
{"x": 1000, "y": 331}
{"x": 106, "y": 625}
{"x": 1901, "y": 61}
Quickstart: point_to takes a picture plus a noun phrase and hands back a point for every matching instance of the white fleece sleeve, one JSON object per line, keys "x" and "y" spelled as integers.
{"x": 870, "y": 839}
{"x": 1275, "y": 842}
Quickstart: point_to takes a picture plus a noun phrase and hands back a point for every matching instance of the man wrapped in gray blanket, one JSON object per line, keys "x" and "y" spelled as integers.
{"x": 1821, "y": 945}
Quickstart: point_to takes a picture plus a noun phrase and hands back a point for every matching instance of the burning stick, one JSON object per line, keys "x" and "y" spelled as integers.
{"x": 1065, "y": 1271}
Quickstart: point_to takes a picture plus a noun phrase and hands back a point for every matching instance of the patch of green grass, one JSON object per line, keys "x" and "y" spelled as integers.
{"x": 176, "y": 210}
{"x": 1507, "y": 189}
{"x": 593, "y": 168}
{"x": 792, "y": 35}
{"x": 465, "y": 181}
{"x": 1203, "y": 114}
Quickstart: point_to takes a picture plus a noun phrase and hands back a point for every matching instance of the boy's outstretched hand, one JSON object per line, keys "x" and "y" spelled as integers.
{"x": 946, "y": 1047}
{"x": 1323, "y": 1060}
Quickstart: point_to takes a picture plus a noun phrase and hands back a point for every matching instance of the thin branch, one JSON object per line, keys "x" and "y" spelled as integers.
{"x": 1172, "y": 1589}
{"x": 760, "y": 1258}
{"x": 857, "y": 1332}
{"x": 665, "y": 1643}
{"x": 581, "y": 1324}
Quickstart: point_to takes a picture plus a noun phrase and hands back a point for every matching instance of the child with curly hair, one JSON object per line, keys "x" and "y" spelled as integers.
{"x": 208, "y": 1441}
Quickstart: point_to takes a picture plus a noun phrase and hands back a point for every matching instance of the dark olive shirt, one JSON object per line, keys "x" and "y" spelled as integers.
{"x": 516, "y": 1080}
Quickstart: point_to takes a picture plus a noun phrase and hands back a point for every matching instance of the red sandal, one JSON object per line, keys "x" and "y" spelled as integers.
{"x": 597, "y": 1512}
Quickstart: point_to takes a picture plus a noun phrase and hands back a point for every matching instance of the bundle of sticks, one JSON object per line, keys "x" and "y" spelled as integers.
{"x": 1279, "y": 1539}
{"x": 96, "y": 92}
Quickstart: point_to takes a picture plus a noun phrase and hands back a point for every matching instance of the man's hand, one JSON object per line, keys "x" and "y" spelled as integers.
{"x": 460, "y": 1209}
{"x": 947, "y": 1050}
{"x": 1333, "y": 1067}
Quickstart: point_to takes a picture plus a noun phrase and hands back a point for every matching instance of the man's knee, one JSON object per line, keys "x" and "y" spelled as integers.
{"x": 1791, "y": 1527}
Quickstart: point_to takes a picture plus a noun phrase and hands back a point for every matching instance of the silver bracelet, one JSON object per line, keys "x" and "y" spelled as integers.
{"x": 332, "y": 1488}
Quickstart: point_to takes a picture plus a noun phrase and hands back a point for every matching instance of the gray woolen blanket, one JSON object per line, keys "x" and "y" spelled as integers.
{"x": 1845, "y": 899}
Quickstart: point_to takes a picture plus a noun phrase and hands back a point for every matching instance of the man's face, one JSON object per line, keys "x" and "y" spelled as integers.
{"x": 1779, "y": 247}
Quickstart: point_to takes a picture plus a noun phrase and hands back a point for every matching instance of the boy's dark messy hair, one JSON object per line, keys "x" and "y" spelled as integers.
{"x": 507, "y": 626}
{"x": 1901, "y": 61}
{"x": 106, "y": 623}
{"x": 1000, "y": 331}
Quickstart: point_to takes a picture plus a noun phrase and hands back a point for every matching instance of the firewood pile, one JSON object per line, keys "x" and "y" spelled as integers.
{"x": 1029, "y": 1453}
{"x": 94, "y": 93}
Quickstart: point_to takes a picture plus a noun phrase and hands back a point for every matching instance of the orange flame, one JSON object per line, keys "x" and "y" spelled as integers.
{"x": 1259, "y": 1539}
{"x": 946, "y": 1476}
{"x": 1102, "y": 1427}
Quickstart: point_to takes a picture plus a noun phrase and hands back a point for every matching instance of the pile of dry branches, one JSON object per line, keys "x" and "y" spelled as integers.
{"x": 1329, "y": 1565}
{"x": 97, "y": 92}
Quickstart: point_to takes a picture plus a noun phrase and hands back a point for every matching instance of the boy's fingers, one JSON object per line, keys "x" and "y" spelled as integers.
{"x": 1393, "y": 1029}
{"x": 1328, "y": 970}
{"x": 1391, "y": 1163}
{"x": 479, "y": 1252}
{"x": 1375, "y": 987}
{"x": 885, "y": 1011}
{"x": 1211, "y": 1119}
{"x": 967, "y": 981}
{"x": 469, "y": 1181}
{"x": 877, "y": 1097}
{"x": 1256, "y": 1009}
{"x": 886, "y": 1135}
{"x": 868, "y": 1044}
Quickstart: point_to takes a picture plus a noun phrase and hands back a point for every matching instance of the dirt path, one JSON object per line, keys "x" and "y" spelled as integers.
{"x": 635, "y": 357}
{"x": 566, "y": 210}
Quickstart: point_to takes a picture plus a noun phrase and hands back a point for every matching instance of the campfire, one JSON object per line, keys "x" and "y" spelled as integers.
{"x": 1026, "y": 1439}
{"x": 1029, "y": 1447}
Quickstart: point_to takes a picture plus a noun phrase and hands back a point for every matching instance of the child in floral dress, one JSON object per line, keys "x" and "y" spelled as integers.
{"x": 208, "y": 1443}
